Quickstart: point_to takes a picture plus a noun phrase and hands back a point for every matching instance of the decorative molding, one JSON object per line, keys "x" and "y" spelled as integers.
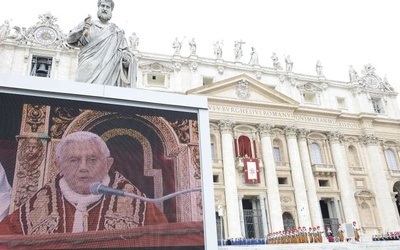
{"x": 264, "y": 129}
{"x": 302, "y": 133}
{"x": 290, "y": 131}
{"x": 226, "y": 126}
{"x": 335, "y": 137}
{"x": 242, "y": 89}
{"x": 369, "y": 139}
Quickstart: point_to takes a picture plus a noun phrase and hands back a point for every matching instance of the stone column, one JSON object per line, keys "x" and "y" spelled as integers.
{"x": 342, "y": 175}
{"x": 231, "y": 194}
{"x": 271, "y": 179}
{"x": 300, "y": 193}
{"x": 338, "y": 211}
{"x": 380, "y": 186}
{"x": 241, "y": 215}
{"x": 263, "y": 215}
{"x": 313, "y": 201}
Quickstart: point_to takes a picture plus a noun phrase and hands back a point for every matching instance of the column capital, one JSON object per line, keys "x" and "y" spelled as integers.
{"x": 335, "y": 136}
{"x": 302, "y": 133}
{"x": 225, "y": 126}
{"x": 264, "y": 129}
{"x": 290, "y": 131}
{"x": 261, "y": 197}
{"x": 368, "y": 139}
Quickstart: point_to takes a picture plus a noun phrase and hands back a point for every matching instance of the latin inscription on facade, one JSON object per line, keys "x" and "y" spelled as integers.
{"x": 281, "y": 114}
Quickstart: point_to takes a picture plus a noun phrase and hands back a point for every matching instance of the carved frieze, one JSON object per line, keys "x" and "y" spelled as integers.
{"x": 28, "y": 172}
{"x": 35, "y": 118}
{"x": 61, "y": 118}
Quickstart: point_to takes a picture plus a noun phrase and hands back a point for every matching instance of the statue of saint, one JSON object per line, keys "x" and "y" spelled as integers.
{"x": 353, "y": 75}
{"x": 253, "y": 57}
{"x": 275, "y": 61}
{"x": 218, "y": 49}
{"x": 104, "y": 56}
{"x": 134, "y": 41}
{"x": 193, "y": 46}
{"x": 177, "y": 45}
{"x": 4, "y": 30}
{"x": 289, "y": 64}
{"x": 318, "y": 68}
{"x": 238, "y": 50}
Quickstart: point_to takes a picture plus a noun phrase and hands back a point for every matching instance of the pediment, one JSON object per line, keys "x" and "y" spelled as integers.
{"x": 310, "y": 87}
{"x": 155, "y": 67}
{"x": 243, "y": 88}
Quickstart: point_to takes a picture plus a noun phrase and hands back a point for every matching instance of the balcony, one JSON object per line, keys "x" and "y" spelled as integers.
{"x": 323, "y": 170}
{"x": 239, "y": 165}
{"x": 395, "y": 172}
{"x": 282, "y": 165}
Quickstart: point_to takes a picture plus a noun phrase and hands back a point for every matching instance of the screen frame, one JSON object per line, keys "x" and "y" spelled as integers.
{"x": 142, "y": 98}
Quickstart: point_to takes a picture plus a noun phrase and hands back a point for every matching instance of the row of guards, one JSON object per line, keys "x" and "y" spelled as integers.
{"x": 313, "y": 235}
{"x": 296, "y": 235}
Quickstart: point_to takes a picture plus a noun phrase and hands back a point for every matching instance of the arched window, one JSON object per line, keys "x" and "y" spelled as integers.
{"x": 277, "y": 144}
{"x": 213, "y": 151}
{"x": 316, "y": 154}
{"x": 288, "y": 221}
{"x": 244, "y": 146}
{"x": 391, "y": 158}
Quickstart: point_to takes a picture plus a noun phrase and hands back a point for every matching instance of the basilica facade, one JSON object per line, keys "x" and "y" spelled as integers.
{"x": 288, "y": 149}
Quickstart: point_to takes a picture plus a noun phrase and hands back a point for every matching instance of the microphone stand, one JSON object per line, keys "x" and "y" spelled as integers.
{"x": 166, "y": 197}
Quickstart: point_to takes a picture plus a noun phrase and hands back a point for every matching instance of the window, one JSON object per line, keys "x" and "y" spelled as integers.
{"x": 207, "y": 80}
{"x": 341, "y": 103}
{"x": 316, "y": 154}
{"x": 216, "y": 178}
{"x": 391, "y": 158}
{"x": 41, "y": 66}
{"x": 244, "y": 146}
{"x": 277, "y": 154}
{"x": 310, "y": 98}
{"x": 323, "y": 183}
{"x": 212, "y": 151}
{"x": 377, "y": 105}
{"x": 156, "y": 79}
{"x": 282, "y": 180}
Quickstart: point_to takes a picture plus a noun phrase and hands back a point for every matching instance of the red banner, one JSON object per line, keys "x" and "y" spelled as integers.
{"x": 251, "y": 171}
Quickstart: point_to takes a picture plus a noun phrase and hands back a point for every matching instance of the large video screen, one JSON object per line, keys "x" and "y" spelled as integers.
{"x": 83, "y": 172}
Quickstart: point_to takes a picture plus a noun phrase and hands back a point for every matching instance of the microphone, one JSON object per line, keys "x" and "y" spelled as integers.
{"x": 97, "y": 188}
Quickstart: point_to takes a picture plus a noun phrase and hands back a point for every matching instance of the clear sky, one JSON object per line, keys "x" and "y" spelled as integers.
{"x": 339, "y": 33}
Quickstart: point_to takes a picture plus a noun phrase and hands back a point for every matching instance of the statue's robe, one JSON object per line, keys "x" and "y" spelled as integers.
{"x": 100, "y": 60}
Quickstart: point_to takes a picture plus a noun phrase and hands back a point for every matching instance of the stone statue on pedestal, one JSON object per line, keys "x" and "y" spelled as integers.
{"x": 104, "y": 56}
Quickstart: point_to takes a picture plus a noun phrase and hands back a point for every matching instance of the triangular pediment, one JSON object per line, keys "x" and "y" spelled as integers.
{"x": 309, "y": 87}
{"x": 243, "y": 88}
